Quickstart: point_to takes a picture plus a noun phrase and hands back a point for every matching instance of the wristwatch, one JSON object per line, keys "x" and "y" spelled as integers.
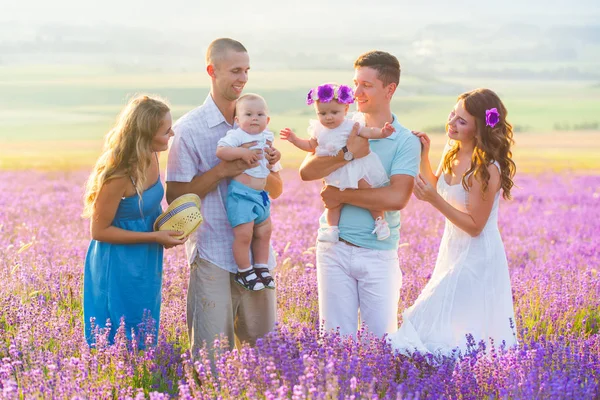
{"x": 348, "y": 156}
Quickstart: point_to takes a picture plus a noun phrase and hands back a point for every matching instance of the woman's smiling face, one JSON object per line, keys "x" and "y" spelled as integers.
{"x": 462, "y": 126}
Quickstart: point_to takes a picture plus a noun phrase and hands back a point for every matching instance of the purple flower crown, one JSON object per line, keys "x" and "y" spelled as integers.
{"x": 328, "y": 92}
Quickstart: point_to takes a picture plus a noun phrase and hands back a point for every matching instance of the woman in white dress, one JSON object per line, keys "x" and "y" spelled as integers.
{"x": 469, "y": 291}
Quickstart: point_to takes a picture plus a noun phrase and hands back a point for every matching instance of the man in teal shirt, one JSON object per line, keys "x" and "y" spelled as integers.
{"x": 360, "y": 272}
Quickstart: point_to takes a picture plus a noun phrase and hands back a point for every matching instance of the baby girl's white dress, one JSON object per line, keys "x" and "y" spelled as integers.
{"x": 469, "y": 290}
{"x": 331, "y": 141}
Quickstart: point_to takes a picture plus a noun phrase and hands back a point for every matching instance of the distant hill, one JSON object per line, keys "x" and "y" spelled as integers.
{"x": 513, "y": 39}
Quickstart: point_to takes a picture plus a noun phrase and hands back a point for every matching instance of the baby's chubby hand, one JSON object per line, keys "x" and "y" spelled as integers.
{"x": 387, "y": 129}
{"x": 288, "y": 134}
{"x": 252, "y": 156}
{"x": 272, "y": 155}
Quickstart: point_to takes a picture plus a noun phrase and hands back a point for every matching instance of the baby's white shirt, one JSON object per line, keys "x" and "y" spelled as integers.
{"x": 237, "y": 137}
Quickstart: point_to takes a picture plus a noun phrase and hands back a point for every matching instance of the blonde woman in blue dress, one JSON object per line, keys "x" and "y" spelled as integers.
{"x": 469, "y": 291}
{"x": 123, "y": 265}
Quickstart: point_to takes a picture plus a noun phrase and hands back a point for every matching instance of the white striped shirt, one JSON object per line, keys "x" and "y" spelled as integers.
{"x": 193, "y": 152}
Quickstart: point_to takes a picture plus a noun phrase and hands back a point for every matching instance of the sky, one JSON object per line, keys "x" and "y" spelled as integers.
{"x": 176, "y": 32}
{"x": 277, "y": 15}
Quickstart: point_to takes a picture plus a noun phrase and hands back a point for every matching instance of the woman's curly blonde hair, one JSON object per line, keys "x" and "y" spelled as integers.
{"x": 127, "y": 148}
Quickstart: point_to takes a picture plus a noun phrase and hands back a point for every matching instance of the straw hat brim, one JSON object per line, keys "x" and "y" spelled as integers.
{"x": 183, "y": 215}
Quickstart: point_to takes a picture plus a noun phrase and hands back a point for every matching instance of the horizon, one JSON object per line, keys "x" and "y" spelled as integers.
{"x": 138, "y": 34}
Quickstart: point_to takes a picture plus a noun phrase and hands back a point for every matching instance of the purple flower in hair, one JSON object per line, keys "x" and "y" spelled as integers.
{"x": 309, "y": 99}
{"x": 492, "y": 117}
{"x": 345, "y": 95}
{"x": 325, "y": 93}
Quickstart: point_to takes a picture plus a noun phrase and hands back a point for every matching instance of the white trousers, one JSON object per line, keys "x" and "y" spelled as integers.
{"x": 355, "y": 279}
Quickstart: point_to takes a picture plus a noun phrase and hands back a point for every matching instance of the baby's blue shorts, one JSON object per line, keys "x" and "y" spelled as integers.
{"x": 245, "y": 204}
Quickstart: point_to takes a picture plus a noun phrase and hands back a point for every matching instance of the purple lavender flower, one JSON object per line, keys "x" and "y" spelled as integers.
{"x": 325, "y": 93}
{"x": 345, "y": 95}
{"x": 492, "y": 117}
{"x": 309, "y": 98}
{"x": 556, "y": 271}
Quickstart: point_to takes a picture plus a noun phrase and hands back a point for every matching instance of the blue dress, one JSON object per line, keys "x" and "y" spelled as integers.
{"x": 124, "y": 280}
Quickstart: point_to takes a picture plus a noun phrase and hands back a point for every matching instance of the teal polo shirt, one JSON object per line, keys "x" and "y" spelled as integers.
{"x": 399, "y": 153}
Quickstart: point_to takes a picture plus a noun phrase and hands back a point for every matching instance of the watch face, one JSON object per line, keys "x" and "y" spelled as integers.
{"x": 348, "y": 156}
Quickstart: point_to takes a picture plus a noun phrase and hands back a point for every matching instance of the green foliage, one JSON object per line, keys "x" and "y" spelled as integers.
{"x": 56, "y": 117}
{"x": 46, "y": 103}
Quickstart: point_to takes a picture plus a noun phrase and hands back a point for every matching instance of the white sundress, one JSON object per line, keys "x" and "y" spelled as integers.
{"x": 331, "y": 141}
{"x": 469, "y": 290}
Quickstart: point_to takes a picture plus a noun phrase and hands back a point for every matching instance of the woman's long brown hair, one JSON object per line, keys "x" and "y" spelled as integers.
{"x": 491, "y": 144}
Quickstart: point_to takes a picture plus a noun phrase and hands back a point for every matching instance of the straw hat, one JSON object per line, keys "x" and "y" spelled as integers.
{"x": 183, "y": 214}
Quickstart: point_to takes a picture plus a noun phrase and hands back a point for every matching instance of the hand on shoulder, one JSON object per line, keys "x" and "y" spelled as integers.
{"x": 425, "y": 141}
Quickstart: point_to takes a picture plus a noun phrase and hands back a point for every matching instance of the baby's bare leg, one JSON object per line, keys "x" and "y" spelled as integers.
{"x": 362, "y": 184}
{"x": 242, "y": 237}
{"x": 260, "y": 242}
{"x": 332, "y": 231}
{"x": 260, "y": 252}
{"x": 333, "y": 215}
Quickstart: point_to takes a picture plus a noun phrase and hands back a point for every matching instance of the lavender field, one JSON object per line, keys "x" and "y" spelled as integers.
{"x": 551, "y": 231}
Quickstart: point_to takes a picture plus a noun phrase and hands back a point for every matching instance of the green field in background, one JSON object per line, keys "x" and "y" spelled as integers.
{"x": 61, "y": 113}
